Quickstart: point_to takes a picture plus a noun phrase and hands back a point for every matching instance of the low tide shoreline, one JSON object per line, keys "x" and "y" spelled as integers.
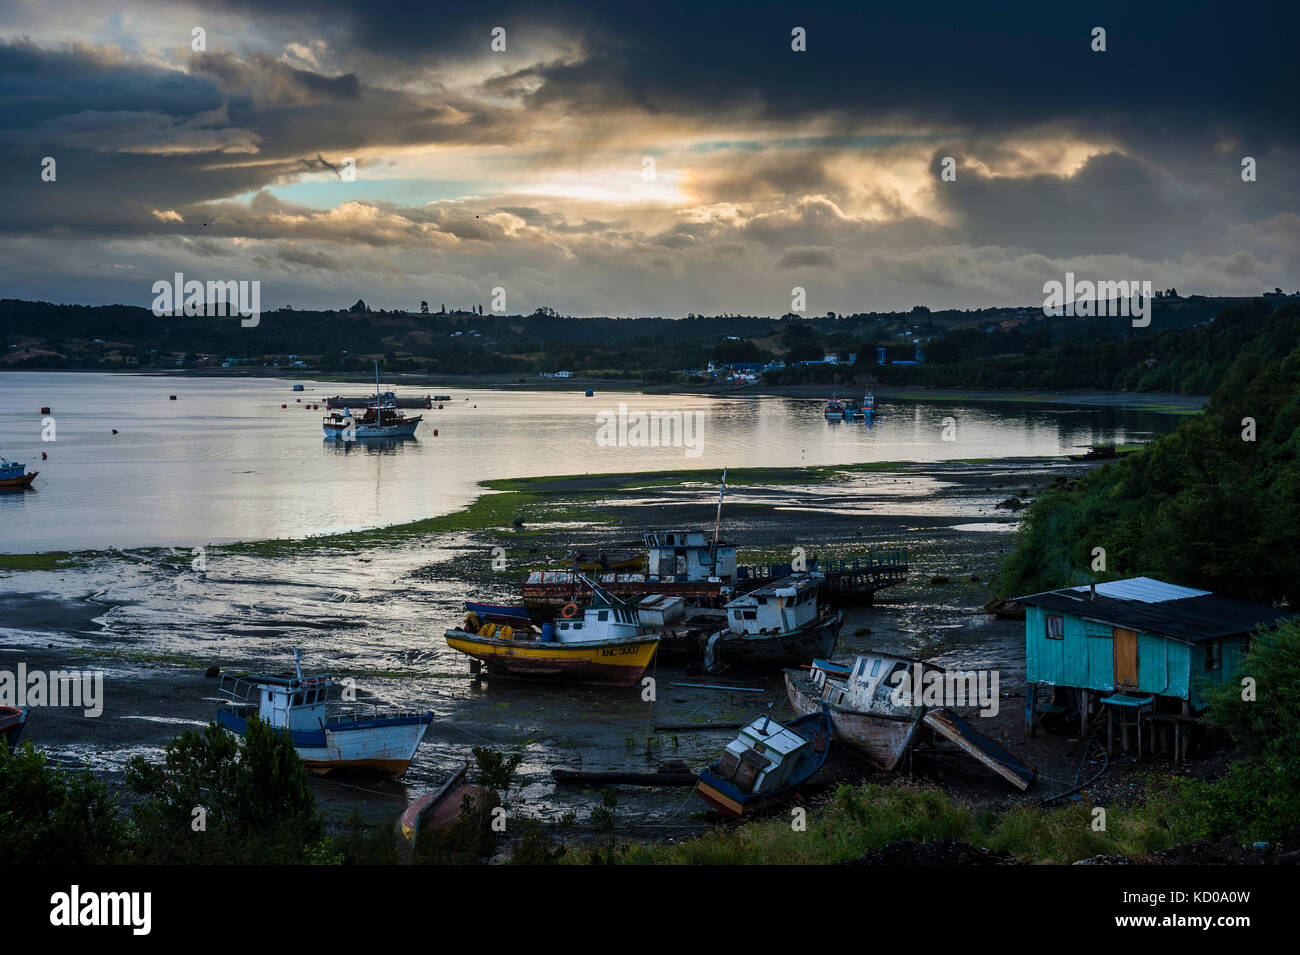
{"x": 946, "y": 515}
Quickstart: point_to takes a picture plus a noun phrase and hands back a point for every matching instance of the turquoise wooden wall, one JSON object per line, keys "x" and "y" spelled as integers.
{"x": 1085, "y": 658}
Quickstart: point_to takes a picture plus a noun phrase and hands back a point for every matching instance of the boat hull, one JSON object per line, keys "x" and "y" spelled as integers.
{"x": 385, "y": 745}
{"x": 602, "y": 662}
{"x": 362, "y": 431}
{"x": 881, "y": 740}
{"x": 791, "y": 648}
{"x": 12, "y": 721}
{"x": 726, "y": 797}
{"x": 18, "y": 483}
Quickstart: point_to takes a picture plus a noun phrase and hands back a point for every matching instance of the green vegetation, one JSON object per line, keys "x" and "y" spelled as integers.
{"x": 221, "y": 798}
{"x": 1215, "y": 505}
{"x": 49, "y": 560}
{"x": 50, "y": 816}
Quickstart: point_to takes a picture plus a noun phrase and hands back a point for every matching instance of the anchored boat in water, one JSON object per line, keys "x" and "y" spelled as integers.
{"x": 766, "y": 762}
{"x": 381, "y": 419}
{"x": 327, "y": 736}
{"x": 14, "y": 476}
{"x": 604, "y": 645}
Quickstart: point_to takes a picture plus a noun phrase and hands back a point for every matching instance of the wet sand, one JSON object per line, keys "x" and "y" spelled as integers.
{"x": 154, "y": 626}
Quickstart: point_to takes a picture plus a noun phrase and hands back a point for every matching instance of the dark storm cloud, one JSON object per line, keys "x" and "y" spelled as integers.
{"x": 986, "y": 67}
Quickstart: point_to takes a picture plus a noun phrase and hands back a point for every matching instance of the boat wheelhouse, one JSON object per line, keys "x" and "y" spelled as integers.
{"x": 689, "y": 556}
{"x": 327, "y": 735}
{"x": 780, "y": 623}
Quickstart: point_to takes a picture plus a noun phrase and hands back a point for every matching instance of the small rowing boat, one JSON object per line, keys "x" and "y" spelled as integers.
{"x": 440, "y": 808}
{"x": 12, "y": 721}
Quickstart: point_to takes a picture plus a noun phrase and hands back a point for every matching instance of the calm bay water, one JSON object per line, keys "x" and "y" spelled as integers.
{"x": 225, "y": 462}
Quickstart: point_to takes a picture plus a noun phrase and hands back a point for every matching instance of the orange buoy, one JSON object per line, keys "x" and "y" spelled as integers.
{"x": 568, "y": 611}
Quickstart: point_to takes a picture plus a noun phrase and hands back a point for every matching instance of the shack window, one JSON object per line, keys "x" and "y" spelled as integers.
{"x": 1055, "y": 628}
{"x": 1213, "y": 655}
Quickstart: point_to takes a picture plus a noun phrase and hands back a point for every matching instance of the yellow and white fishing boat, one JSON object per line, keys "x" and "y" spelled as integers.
{"x": 605, "y": 645}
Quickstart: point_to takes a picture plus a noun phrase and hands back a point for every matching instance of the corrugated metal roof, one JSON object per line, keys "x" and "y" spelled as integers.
{"x": 1192, "y": 619}
{"x": 1145, "y": 589}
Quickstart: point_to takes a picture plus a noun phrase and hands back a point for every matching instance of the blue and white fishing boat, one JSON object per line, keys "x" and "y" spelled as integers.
{"x": 327, "y": 735}
{"x": 14, "y": 475}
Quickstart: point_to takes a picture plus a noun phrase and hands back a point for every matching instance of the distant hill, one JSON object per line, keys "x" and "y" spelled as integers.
{"x": 46, "y": 335}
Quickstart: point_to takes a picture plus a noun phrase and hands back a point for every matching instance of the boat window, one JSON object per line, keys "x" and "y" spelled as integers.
{"x": 736, "y": 614}
{"x": 577, "y": 626}
{"x": 762, "y": 600}
{"x": 603, "y": 615}
{"x": 297, "y": 699}
{"x": 875, "y": 667}
{"x": 751, "y": 614}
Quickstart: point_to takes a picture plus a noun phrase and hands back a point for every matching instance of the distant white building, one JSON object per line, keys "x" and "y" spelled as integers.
{"x": 564, "y": 374}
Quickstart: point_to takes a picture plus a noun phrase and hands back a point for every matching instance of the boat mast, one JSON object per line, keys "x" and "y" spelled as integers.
{"x": 379, "y": 401}
{"x": 717, "y": 523}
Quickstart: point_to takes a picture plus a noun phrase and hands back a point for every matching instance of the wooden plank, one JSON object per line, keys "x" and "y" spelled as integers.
{"x": 988, "y": 751}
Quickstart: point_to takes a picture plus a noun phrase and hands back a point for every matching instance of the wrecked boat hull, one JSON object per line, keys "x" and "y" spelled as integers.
{"x": 881, "y": 740}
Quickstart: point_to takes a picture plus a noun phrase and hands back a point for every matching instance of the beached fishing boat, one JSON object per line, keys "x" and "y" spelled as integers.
{"x": 602, "y": 643}
{"x": 12, "y": 721}
{"x": 778, "y": 624}
{"x": 685, "y": 564}
{"x": 860, "y": 703}
{"x": 327, "y": 735}
{"x": 766, "y": 762}
{"x": 15, "y": 476}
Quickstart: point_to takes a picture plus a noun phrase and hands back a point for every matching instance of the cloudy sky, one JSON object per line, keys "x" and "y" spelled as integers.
{"x": 645, "y": 158}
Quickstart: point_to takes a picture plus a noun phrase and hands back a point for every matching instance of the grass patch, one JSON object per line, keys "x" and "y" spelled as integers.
{"x": 49, "y": 560}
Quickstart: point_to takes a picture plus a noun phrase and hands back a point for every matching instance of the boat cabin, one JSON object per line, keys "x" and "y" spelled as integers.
{"x": 762, "y": 757}
{"x": 783, "y": 605}
{"x": 601, "y": 620}
{"x": 688, "y": 555}
{"x": 285, "y": 702}
{"x": 659, "y": 610}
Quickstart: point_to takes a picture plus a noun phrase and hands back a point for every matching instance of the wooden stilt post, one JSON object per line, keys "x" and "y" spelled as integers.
{"x": 1031, "y": 704}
